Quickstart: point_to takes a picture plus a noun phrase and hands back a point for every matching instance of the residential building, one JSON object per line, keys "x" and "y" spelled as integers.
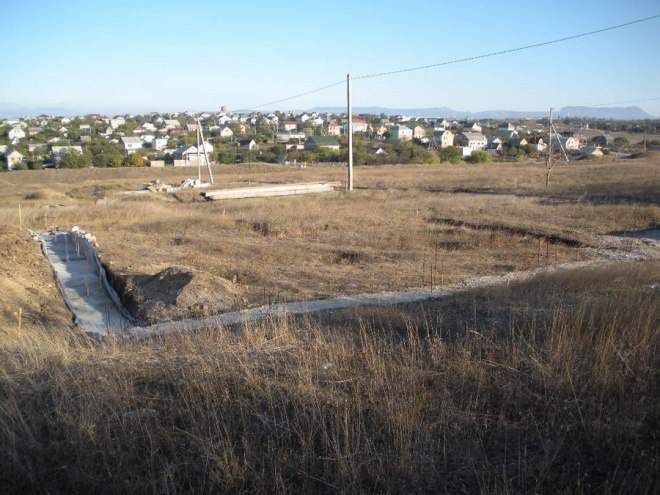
{"x": 225, "y": 132}
{"x": 315, "y": 142}
{"x": 56, "y": 151}
{"x": 418, "y": 132}
{"x": 334, "y": 129}
{"x": 443, "y": 139}
{"x": 159, "y": 143}
{"x": 474, "y": 140}
{"x": 190, "y": 152}
{"x": 16, "y": 133}
{"x": 359, "y": 125}
{"x": 286, "y": 137}
{"x": 131, "y": 144}
{"x": 567, "y": 142}
{"x": 13, "y": 158}
{"x": 400, "y": 133}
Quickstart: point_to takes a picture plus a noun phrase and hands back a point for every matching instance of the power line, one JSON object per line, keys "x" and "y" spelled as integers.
{"x": 459, "y": 60}
{"x": 510, "y": 50}
{"x": 254, "y": 107}
{"x": 623, "y": 102}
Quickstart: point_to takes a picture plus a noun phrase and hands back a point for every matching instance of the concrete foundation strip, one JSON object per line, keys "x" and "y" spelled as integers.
{"x": 98, "y": 311}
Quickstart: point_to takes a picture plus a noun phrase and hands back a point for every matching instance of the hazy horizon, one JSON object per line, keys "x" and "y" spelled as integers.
{"x": 128, "y": 57}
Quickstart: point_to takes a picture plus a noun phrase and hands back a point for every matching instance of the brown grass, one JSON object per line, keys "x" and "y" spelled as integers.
{"x": 384, "y": 236}
{"x": 546, "y": 387}
{"x": 541, "y": 387}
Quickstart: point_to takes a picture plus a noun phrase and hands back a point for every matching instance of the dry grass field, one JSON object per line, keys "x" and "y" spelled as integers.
{"x": 544, "y": 386}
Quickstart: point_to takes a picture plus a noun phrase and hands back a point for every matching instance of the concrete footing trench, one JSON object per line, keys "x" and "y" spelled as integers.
{"x": 97, "y": 308}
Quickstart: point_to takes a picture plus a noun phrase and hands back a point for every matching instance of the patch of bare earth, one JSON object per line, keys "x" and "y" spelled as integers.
{"x": 27, "y": 283}
{"x": 175, "y": 293}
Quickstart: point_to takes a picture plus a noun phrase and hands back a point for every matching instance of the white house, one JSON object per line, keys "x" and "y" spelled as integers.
{"x": 474, "y": 140}
{"x": 159, "y": 143}
{"x": 56, "y": 151}
{"x": 334, "y": 129}
{"x": 171, "y": 124}
{"x": 285, "y": 137}
{"x": 190, "y": 152}
{"x": 16, "y": 133}
{"x": 131, "y": 144}
{"x": 359, "y": 125}
{"x": 249, "y": 144}
{"x": 116, "y": 122}
{"x": 225, "y": 132}
{"x": 13, "y": 158}
{"x": 568, "y": 143}
{"x": 474, "y": 127}
{"x": 400, "y": 133}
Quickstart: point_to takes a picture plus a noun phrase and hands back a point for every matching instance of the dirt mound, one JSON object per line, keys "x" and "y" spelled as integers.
{"x": 175, "y": 293}
{"x": 27, "y": 283}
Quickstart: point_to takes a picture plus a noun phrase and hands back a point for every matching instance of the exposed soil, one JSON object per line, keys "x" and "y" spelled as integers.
{"x": 175, "y": 293}
{"x": 27, "y": 283}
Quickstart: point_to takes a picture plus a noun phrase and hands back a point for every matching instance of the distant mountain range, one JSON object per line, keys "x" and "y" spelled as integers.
{"x": 8, "y": 110}
{"x": 617, "y": 113}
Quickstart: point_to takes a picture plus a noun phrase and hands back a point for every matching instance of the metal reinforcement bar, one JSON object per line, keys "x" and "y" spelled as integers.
{"x": 273, "y": 190}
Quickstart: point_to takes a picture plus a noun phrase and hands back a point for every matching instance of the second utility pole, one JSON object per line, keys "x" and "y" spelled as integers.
{"x": 349, "y": 185}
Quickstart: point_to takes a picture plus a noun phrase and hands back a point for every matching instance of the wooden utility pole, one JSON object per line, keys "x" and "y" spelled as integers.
{"x": 349, "y": 185}
{"x": 548, "y": 163}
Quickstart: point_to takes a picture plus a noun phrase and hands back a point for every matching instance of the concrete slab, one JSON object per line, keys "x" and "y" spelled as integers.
{"x": 94, "y": 303}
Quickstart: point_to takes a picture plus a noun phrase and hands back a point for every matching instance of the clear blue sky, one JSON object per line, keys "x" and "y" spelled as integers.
{"x": 133, "y": 56}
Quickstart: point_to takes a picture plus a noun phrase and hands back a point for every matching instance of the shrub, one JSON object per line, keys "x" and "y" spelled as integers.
{"x": 451, "y": 155}
{"x": 480, "y": 157}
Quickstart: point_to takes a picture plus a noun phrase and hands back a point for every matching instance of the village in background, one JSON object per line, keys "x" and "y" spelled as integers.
{"x": 302, "y": 138}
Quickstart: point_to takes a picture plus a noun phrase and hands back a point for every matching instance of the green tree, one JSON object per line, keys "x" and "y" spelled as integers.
{"x": 620, "y": 142}
{"x": 225, "y": 153}
{"x": 73, "y": 159}
{"x": 480, "y": 157}
{"x": 451, "y": 155}
{"x": 133, "y": 160}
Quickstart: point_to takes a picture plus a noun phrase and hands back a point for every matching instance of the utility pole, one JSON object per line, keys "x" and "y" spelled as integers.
{"x": 349, "y": 185}
{"x": 548, "y": 164}
{"x": 199, "y": 165}
{"x": 206, "y": 153}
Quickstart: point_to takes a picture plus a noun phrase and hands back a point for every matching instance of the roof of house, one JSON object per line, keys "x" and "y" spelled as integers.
{"x": 131, "y": 140}
{"x": 474, "y": 136}
{"x": 324, "y": 140}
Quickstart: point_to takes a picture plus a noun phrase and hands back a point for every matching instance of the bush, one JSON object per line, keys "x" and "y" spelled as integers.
{"x": 73, "y": 159}
{"x": 35, "y": 165}
{"x": 451, "y": 155}
{"x": 133, "y": 160}
{"x": 480, "y": 157}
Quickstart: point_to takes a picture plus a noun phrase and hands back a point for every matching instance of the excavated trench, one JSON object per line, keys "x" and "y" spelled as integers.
{"x": 98, "y": 309}
{"x": 94, "y": 303}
